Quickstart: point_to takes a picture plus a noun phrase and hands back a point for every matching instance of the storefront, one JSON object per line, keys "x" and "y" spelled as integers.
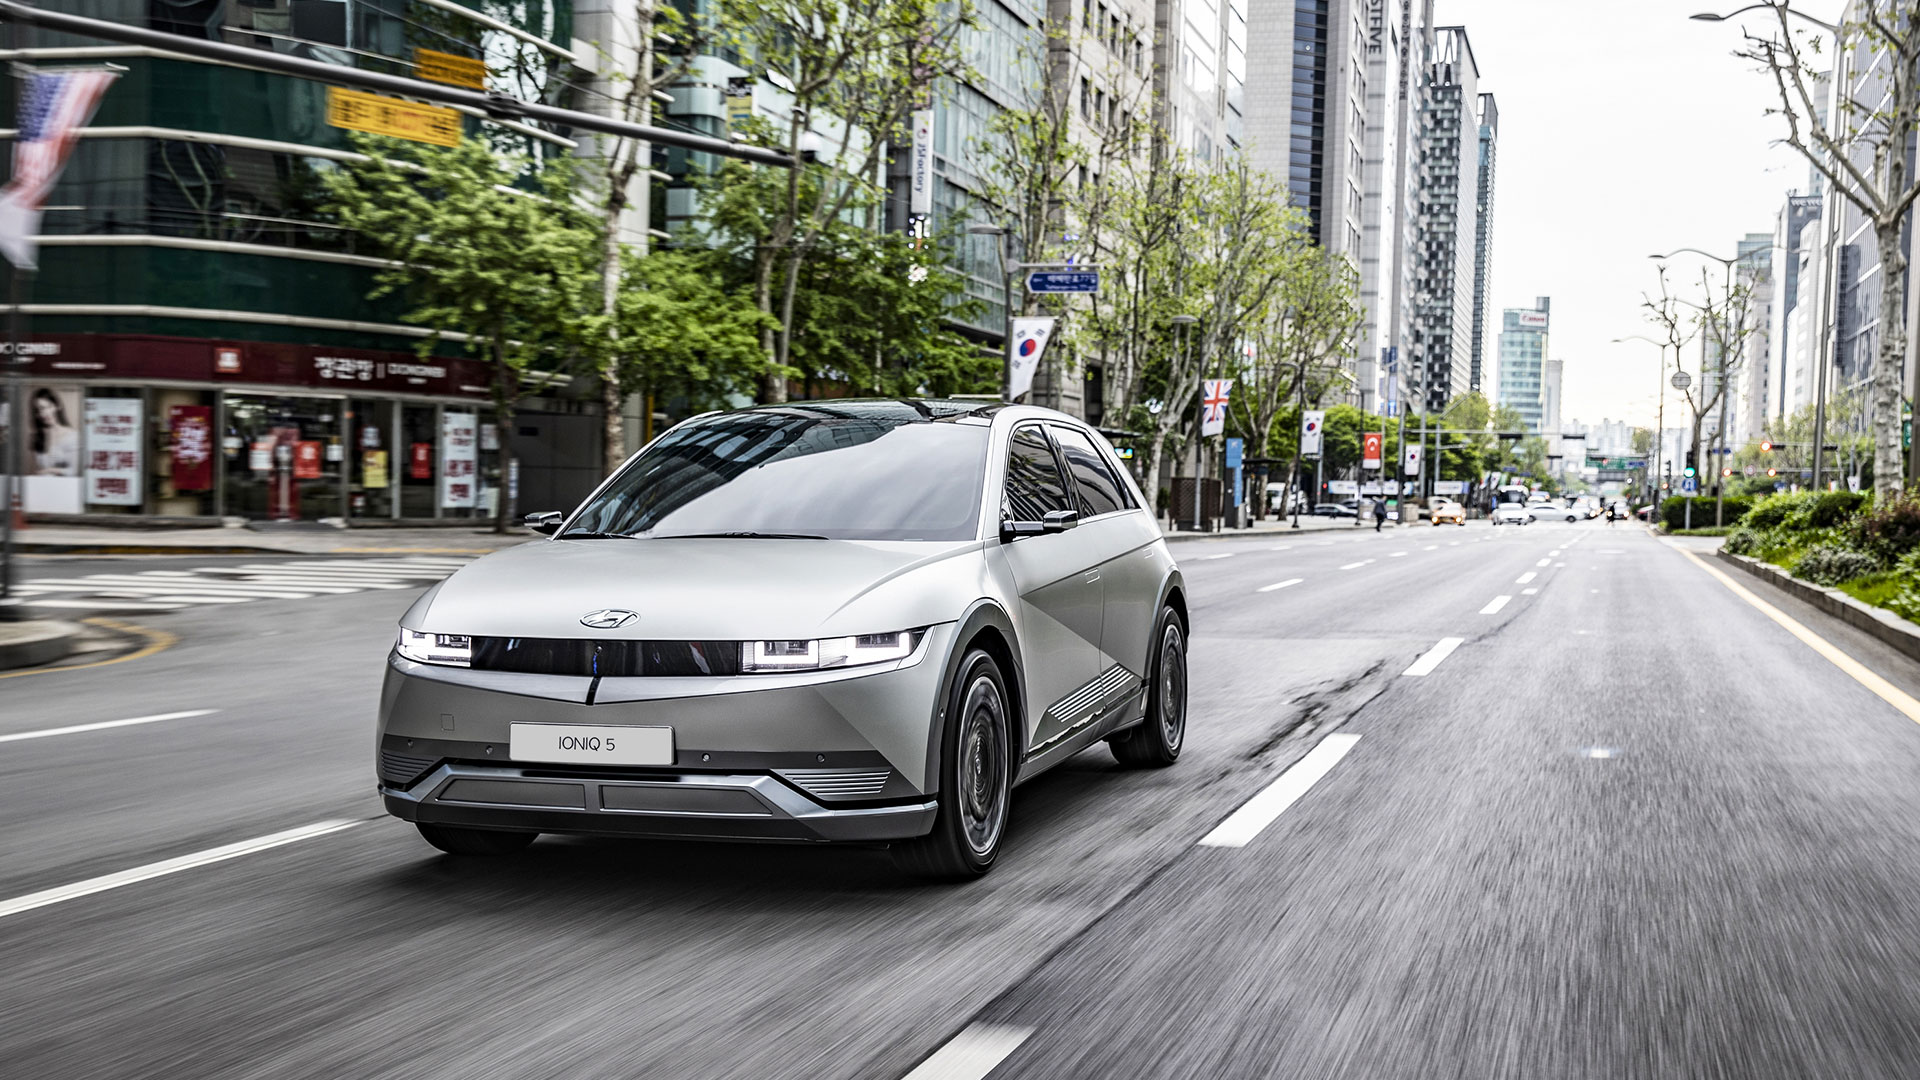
{"x": 182, "y": 427}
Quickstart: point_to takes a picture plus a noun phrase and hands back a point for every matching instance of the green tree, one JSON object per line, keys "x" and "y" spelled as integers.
{"x": 487, "y": 249}
{"x": 686, "y": 333}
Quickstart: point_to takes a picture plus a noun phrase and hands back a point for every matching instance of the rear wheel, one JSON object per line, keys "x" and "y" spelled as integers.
{"x": 1156, "y": 743}
{"x": 976, "y": 780}
{"x": 455, "y": 840}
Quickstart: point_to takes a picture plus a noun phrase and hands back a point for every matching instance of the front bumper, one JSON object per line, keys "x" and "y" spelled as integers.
{"x": 709, "y": 806}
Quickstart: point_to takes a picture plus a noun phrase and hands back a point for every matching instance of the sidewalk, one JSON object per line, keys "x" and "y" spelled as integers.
{"x": 1275, "y": 525}
{"x": 74, "y": 540}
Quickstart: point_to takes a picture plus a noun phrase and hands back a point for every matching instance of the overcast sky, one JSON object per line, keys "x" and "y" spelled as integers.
{"x": 1625, "y": 129}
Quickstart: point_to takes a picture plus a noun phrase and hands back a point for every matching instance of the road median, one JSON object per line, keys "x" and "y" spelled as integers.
{"x": 1881, "y": 624}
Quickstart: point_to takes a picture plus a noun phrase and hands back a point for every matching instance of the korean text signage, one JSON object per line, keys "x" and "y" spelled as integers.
{"x": 377, "y": 115}
{"x": 1311, "y": 423}
{"x": 1370, "y": 445}
{"x": 306, "y": 459}
{"x": 191, "y": 431}
{"x": 459, "y": 459}
{"x": 450, "y": 69}
{"x": 113, "y": 451}
{"x": 921, "y": 187}
{"x": 1063, "y": 281}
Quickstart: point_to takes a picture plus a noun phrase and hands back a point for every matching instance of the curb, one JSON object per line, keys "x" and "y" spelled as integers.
{"x": 30, "y": 644}
{"x": 1878, "y": 623}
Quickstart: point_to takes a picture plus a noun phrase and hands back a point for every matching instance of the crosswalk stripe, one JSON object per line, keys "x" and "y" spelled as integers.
{"x": 130, "y": 581}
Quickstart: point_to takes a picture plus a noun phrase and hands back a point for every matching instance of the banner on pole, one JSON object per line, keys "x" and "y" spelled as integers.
{"x": 1311, "y": 423}
{"x": 1213, "y": 405}
{"x": 1028, "y": 345}
{"x": 920, "y": 189}
{"x": 1412, "y": 465}
{"x": 1370, "y": 448}
{"x": 54, "y": 106}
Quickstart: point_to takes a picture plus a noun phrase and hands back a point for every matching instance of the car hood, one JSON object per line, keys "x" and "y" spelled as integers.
{"x": 706, "y": 589}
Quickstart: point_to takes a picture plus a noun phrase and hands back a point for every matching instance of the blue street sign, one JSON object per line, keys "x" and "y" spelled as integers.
{"x": 1690, "y": 485}
{"x": 1063, "y": 281}
{"x": 1235, "y": 447}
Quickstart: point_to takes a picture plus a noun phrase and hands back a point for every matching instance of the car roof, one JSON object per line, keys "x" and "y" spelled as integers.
{"x": 898, "y": 410}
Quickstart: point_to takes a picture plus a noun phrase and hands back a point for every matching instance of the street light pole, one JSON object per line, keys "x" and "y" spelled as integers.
{"x": 1660, "y": 415}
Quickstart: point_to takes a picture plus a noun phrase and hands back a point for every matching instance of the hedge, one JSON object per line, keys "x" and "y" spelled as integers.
{"x": 1674, "y": 511}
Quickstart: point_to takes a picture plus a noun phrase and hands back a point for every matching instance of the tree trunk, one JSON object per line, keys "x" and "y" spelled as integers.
{"x": 612, "y": 399}
{"x": 1155, "y": 447}
{"x": 506, "y": 394}
{"x": 773, "y": 385}
{"x": 1888, "y": 459}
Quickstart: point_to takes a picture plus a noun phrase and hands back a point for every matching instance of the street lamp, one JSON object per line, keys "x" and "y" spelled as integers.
{"x": 1707, "y": 16}
{"x": 1660, "y": 412}
{"x": 1006, "y": 280}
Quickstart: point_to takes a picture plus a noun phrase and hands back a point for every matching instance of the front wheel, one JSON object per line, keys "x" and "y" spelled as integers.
{"x": 455, "y": 840}
{"x": 1156, "y": 742}
{"x": 976, "y": 780}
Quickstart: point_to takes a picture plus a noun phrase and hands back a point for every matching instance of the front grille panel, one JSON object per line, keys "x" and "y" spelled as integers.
{"x": 838, "y": 783}
{"x": 401, "y": 770}
{"x": 612, "y": 659}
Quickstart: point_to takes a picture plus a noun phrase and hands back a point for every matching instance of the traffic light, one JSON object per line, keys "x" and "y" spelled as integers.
{"x": 1773, "y": 472}
{"x": 1691, "y": 469}
{"x": 1766, "y": 448}
{"x": 1726, "y": 472}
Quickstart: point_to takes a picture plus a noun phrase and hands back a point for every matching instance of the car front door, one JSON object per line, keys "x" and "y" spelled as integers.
{"x": 1057, "y": 578}
{"x": 1121, "y": 535}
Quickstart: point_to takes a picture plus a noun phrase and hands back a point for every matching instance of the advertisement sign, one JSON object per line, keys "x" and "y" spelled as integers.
{"x": 459, "y": 459}
{"x": 191, "y": 429}
{"x": 377, "y": 115}
{"x": 1213, "y": 405}
{"x": 1449, "y": 487}
{"x": 1028, "y": 345}
{"x": 1343, "y": 487}
{"x": 450, "y": 69}
{"x": 920, "y": 182}
{"x": 306, "y": 459}
{"x": 1311, "y": 423}
{"x": 113, "y": 451}
{"x": 373, "y": 467}
{"x": 1531, "y": 320}
{"x": 420, "y": 461}
{"x": 53, "y": 431}
{"x": 1370, "y": 449}
{"x": 260, "y": 455}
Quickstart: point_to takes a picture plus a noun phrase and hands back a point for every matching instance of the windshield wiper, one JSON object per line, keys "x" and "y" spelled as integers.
{"x": 739, "y": 536}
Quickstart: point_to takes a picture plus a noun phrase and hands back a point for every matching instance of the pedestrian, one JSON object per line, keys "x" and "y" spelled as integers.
{"x": 1379, "y": 513}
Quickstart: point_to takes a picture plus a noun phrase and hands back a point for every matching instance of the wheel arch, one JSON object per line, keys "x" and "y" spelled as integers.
{"x": 987, "y": 627}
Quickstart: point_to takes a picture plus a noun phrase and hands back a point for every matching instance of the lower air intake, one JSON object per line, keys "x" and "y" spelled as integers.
{"x": 838, "y": 783}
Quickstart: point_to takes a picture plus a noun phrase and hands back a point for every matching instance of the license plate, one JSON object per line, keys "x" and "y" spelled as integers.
{"x": 583, "y": 744}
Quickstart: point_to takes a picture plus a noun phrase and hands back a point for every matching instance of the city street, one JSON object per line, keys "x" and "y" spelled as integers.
{"x": 1583, "y": 811}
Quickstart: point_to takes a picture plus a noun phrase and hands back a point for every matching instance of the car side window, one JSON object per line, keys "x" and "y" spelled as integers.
{"x": 1100, "y": 491}
{"x": 1034, "y": 483}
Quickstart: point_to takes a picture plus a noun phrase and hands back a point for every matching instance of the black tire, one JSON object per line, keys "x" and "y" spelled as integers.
{"x": 976, "y": 779}
{"x": 1155, "y": 743}
{"x": 456, "y": 840}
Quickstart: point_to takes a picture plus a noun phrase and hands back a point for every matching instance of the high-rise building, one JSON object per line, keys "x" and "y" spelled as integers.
{"x": 1523, "y": 353}
{"x": 1450, "y": 154}
{"x": 1483, "y": 237}
{"x": 1786, "y": 259}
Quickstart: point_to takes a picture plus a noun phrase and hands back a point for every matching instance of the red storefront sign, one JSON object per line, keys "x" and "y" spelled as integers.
{"x": 149, "y": 356}
{"x": 421, "y": 461}
{"x": 306, "y": 459}
{"x": 191, "y": 427}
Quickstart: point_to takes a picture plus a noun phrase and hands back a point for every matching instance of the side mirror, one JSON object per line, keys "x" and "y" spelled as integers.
{"x": 546, "y": 523}
{"x": 1059, "y": 520}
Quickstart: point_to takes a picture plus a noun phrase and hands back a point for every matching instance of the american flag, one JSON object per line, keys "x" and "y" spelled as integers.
{"x": 54, "y": 106}
{"x": 1213, "y": 405}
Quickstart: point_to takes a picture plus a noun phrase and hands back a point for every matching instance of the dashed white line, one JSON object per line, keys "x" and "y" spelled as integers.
{"x": 972, "y": 1054}
{"x": 1247, "y": 822}
{"x": 1432, "y": 657}
{"x": 1528, "y": 592}
{"x": 104, "y": 724}
{"x": 1543, "y": 562}
{"x": 1280, "y": 584}
{"x": 1281, "y": 547}
{"x": 1494, "y": 607}
{"x": 1432, "y": 547}
{"x": 1553, "y": 554}
{"x": 1526, "y": 577}
{"x": 1356, "y": 565}
{"x": 63, "y": 893}
{"x": 1396, "y": 554}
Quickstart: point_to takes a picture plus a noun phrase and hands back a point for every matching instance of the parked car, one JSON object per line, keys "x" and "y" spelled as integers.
{"x": 858, "y": 621}
{"x": 1446, "y": 510}
{"x": 1276, "y": 495}
{"x": 1510, "y": 513}
{"x": 1335, "y": 510}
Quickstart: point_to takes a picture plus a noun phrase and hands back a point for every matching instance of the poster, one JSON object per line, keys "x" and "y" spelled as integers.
{"x": 373, "y": 469}
{"x": 459, "y": 459}
{"x": 260, "y": 455}
{"x": 191, "y": 431}
{"x": 53, "y": 431}
{"x": 420, "y": 461}
{"x": 370, "y": 437}
{"x": 113, "y": 451}
{"x": 306, "y": 459}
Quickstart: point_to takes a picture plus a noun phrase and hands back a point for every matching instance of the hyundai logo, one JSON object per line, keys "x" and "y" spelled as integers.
{"x": 608, "y": 618}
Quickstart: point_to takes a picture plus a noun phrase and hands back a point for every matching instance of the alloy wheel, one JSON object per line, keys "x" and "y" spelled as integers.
{"x": 983, "y": 765}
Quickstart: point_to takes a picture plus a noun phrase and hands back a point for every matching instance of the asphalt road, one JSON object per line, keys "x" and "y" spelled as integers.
{"x": 1627, "y": 827}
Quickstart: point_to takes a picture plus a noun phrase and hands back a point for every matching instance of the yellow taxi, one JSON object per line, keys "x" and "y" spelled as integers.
{"x": 1445, "y": 510}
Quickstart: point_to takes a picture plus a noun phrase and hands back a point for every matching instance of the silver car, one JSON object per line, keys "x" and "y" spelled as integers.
{"x": 834, "y": 621}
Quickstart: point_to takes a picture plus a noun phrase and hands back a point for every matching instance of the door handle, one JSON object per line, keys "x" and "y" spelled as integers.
{"x": 1093, "y": 576}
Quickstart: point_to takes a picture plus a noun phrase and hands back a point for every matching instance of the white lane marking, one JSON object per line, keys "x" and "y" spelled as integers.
{"x": 1559, "y": 566}
{"x": 254, "y": 581}
{"x": 1453, "y": 543}
{"x": 1553, "y": 554}
{"x": 1543, "y": 562}
{"x": 1495, "y": 606}
{"x": 1246, "y": 823}
{"x": 147, "y": 593}
{"x": 1222, "y": 555}
{"x": 1280, "y": 584}
{"x": 1356, "y": 565}
{"x": 129, "y": 583}
{"x": 63, "y": 893}
{"x": 92, "y": 605}
{"x": 972, "y": 1054}
{"x": 1526, "y": 577}
{"x": 1281, "y": 547}
{"x": 1432, "y": 657}
{"x": 1528, "y": 592}
{"x": 104, "y": 724}
{"x": 1431, "y": 547}
{"x": 1323, "y": 543}
{"x": 1396, "y": 554}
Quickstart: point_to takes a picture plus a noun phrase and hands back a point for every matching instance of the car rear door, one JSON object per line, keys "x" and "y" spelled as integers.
{"x": 1057, "y": 577}
{"x": 1121, "y": 534}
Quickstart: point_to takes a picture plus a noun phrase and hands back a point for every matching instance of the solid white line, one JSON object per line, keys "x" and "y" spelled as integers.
{"x": 63, "y": 893}
{"x": 106, "y": 724}
{"x": 1526, "y": 577}
{"x": 1280, "y": 584}
{"x": 1246, "y": 823}
{"x": 1543, "y": 562}
{"x": 1356, "y": 565}
{"x": 972, "y": 1054}
{"x": 1528, "y": 592}
{"x": 1432, "y": 657}
{"x": 1498, "y": 603}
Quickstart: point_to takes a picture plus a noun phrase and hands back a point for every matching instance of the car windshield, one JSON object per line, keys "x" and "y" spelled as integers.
{"x": 869, "y": 474}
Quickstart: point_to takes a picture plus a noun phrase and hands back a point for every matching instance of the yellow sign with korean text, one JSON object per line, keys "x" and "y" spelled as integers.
{"x": 377, "y": 115}
{"x": 450, "y": 69}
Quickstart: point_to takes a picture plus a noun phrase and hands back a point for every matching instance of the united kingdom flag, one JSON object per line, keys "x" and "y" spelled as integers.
{"x": 1213, "y": 405}
{"x": 54, "y": 106}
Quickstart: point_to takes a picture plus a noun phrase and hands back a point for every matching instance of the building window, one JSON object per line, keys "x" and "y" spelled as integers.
{"x": 1086, "y": 99}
